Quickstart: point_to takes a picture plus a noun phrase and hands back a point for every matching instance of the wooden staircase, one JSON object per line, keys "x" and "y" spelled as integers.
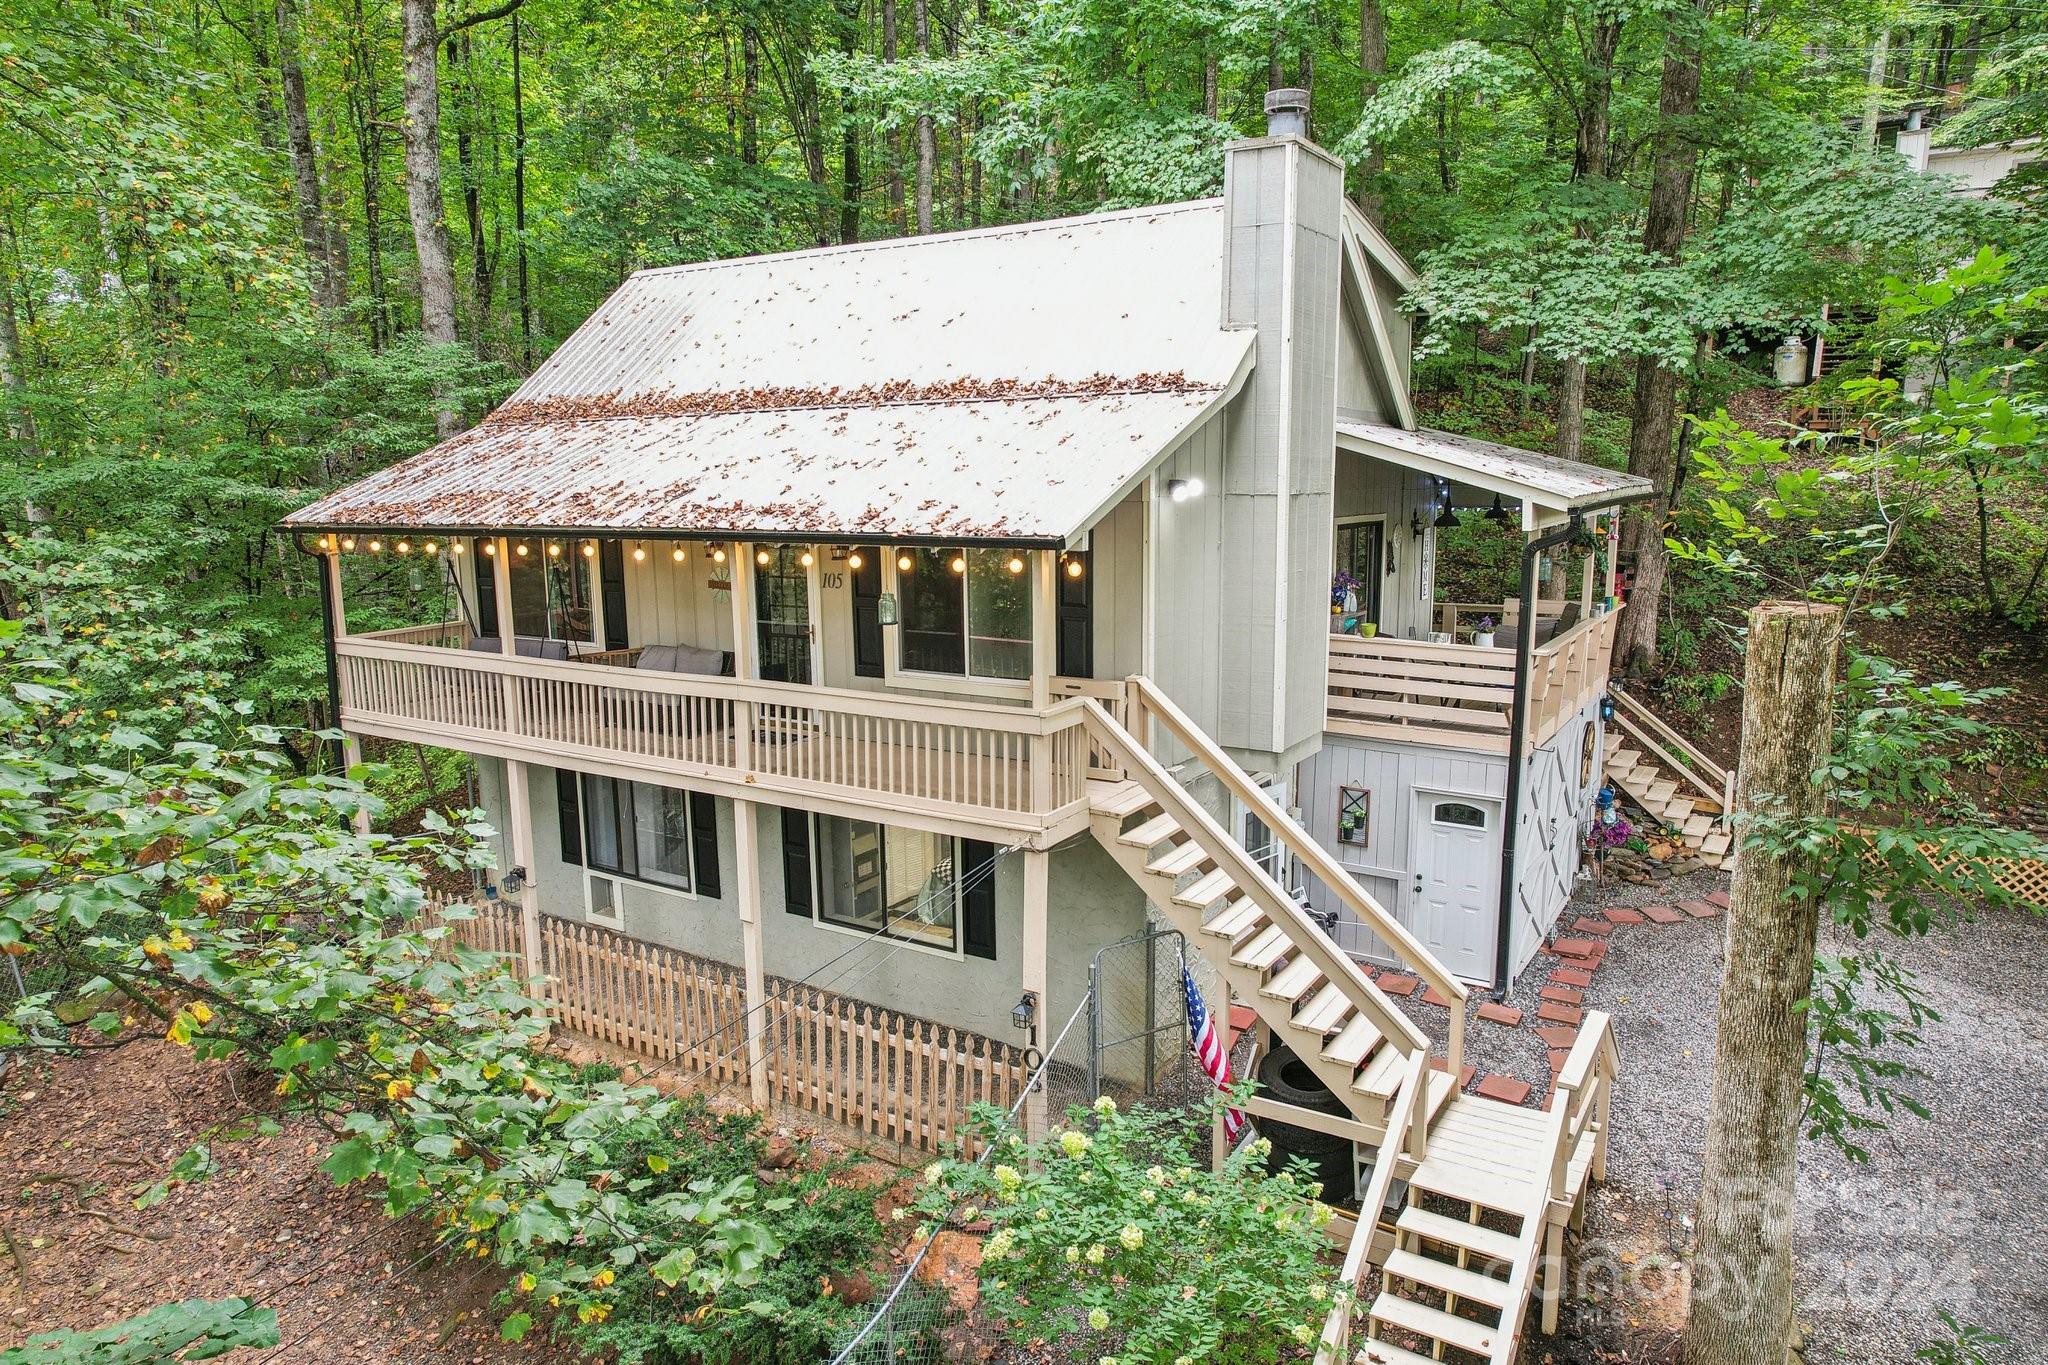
{"x": 1485, "y": 1181}
{"x": 1671, "y": 780}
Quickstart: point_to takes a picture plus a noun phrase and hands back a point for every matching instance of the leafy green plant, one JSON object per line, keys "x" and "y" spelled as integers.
{"x": 193, "y": 1329}
{"x": 1965, "y": 1345}
{"x": 1112, "y": 1232}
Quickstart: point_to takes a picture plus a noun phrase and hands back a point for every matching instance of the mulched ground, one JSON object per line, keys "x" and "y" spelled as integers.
{"x": 79, "y": 1137}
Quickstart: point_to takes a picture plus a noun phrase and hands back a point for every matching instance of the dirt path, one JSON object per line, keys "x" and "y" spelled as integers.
{"x": 78, "y": 1138}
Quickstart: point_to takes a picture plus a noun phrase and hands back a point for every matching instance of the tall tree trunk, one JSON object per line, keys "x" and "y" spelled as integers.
{"x": 1653, "y": 425}
{"x": 849, "y": 138}
{"x": 316, "y": 233}
{"x": 1589, "y": 159}
{"x": 460, "y": 58}
{"x": 1873, "y": 99}
{"x": 927, "y": 135}
{"x": 519, "y": 203}
{"x": 1748, "y": 1185}
{"x": 431, "y": 248}
{"x": 363, "y": 97}
{"x": 21, "y": 422}
{"x": 895, "y": 143}
{"x": 750, "y": 94}
{"x": 1211, "y": 83}
{"x": 1372, "y": 67}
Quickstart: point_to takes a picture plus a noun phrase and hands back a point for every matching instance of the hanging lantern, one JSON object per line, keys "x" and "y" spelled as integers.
{"x": 491, "y": 548}
{"x": 326, "y": 542}
{"x": 1496, "y": 512}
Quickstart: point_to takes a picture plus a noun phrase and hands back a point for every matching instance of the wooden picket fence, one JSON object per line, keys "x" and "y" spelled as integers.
{"x": 881, "y": 1072}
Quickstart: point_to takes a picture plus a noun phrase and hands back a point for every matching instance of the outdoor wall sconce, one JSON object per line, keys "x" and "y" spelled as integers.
{"x": 514, "y": 879}
{"x": 1607, "y": 708}
{"x": 1024, "y": 1014}
{"x": 1415, "y": 523}
{"x": 1180, "y": 490}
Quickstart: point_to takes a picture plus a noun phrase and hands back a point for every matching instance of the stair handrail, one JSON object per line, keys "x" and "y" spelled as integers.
{"x": 1704, "y": 775}
{"x": 1335, "y": 1344}
{"x": 1304, "y": 934}
{"x": 1582, "y": 1094}
{"x": 1147, "y": 697}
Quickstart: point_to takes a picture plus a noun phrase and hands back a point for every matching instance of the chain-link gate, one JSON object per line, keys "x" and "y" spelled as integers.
{"x": 1137, "y": 1023}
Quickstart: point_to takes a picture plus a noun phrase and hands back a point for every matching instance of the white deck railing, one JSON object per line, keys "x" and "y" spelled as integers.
{"x": 1004, "y": 765}
{"x": 1462, "y": 696}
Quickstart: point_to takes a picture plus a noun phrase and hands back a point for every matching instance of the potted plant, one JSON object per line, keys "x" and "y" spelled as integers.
{"x": 1482, "y": 634}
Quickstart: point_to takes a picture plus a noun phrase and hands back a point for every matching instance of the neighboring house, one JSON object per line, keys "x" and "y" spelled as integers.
{"x": 973, "y": 592}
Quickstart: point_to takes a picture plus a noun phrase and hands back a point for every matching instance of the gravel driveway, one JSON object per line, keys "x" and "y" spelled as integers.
{"x": 1949, "y": 1212}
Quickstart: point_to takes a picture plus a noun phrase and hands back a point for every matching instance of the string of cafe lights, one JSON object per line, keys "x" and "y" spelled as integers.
{"x": 715, "y": 551}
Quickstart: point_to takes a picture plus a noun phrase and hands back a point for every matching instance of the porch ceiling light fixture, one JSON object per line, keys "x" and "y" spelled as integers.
{"x": 1181, "y": 490}
{"x": 589, "y": 549}
{"x": 718, "y": 554}
{"x": 376, "y": 546}
{"x": 807, "y": 558}
{"x": 677, "y": 554}
{"x": 1024, "y": 1013}
{"x": 554, "y": 549}
{"x": 491, "y": 548}
{"x": 455, "y": 547}
{"x": 520, "y": 549}
{"x": 348, "y": 542}
{"x": 430, "y": 547}
{"x": 1448, "y": 519}
{"x": 639, "y": 554}
{"x": 1496, "y": 512}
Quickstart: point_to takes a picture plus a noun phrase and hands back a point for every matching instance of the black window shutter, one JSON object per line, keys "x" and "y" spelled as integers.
{"x": 704, "y": 835}
{"x": 796, "y": 862}
{"x": 486, "y": 592}
{"x": 1076, "y": 634}
{"x": 569, "y": 811}
{"x": 978, "y": 898}
{"x": 867, "y": 614}
{"x": 611, "y": 572}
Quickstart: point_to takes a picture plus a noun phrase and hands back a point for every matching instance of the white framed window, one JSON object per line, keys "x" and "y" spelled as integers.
{"x": 963, "y": 612}
{"x": 871, "y": 877}
{"x": 639, "y": 831}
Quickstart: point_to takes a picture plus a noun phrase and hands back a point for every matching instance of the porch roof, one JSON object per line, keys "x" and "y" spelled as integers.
{"x": 1546, "y": 481}
{"x": 1006, "y": 384}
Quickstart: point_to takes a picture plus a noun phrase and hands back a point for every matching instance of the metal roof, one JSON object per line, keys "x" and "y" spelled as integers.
{"x": 1007, "y": 383}
{"x": 1545, "y": 480}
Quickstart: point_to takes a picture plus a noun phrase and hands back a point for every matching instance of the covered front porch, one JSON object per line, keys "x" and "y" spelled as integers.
{"x": 1406, "y": 665}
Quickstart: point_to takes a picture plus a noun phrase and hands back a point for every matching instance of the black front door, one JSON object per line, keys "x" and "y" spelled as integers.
{"x": 782, "y": 607}
{"x": 1362, "y": 553}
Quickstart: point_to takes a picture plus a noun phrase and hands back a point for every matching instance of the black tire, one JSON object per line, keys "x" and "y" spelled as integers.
{"x": 1285, "y": 1077}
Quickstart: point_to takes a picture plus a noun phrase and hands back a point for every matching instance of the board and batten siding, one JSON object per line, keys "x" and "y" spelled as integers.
{"x": 1385, "y": 866}
{"x": 1367, "y": 487}
{"x": 1116, "y": 560}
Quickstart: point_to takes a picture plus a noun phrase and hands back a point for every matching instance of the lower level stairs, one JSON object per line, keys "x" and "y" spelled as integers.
{"x": 1698, "y": 821}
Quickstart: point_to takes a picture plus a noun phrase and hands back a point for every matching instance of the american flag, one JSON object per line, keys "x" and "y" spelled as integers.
{"x": 1209, "y": 1049}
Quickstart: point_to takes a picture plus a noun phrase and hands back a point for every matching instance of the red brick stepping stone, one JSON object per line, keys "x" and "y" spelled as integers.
{"x": 1430, "y": 997}
{"x": 1242, "y": 1017}
{"x": 1700, "y": 909}
{"x": 1395, "y": 984}
{"x": 1558, "y": 1057}
{"x": 1599, "y": 928}
{"x": 1500, "y": 1014}
{"x": 1465, "y": 1072}
{"x": 1558, "y": 1037}
{"x": 1591, "y": 957}
{"x": 1580, "y": 977}
{"x": 1550, "y": 1012}
{"x": 1504, "y": 1088}
{"x": 1580, "y": 947}
{"x": 1563, "y": 995}
{"x": 1621, "y": 914}
{"x": 1719, "y": 898}
{"x": 1661, "y": 914}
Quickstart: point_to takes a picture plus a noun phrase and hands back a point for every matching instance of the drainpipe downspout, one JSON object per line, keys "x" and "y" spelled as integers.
{"x": 1518, "y": 728}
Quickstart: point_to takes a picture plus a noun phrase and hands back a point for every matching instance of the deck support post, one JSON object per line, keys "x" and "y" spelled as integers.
{"x": 746, "y": 854}
{"x": 1044, "y": 662}
{"x": 1553, "y": 1269}
{"x": 746, "y": 665}
{"x": 337, "y": 630}
{"x": 1037, "y": 906}
{"x": 519, "y": 854}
